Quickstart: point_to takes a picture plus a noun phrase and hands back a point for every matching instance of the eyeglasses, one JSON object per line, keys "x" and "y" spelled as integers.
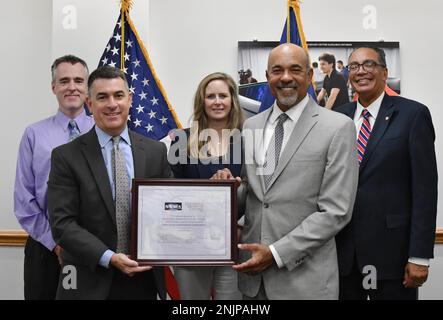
{"x": 367, "y": 65}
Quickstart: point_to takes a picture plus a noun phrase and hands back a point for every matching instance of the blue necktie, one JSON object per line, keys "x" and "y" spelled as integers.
{"x": 73, "y": 130}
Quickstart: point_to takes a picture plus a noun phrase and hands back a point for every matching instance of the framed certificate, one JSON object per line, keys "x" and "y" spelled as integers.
{"x": 184, "y": 222}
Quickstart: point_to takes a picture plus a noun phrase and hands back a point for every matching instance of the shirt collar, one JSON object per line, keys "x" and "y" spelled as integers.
{"x": 293, "y": 112}
{"x": 103, "y": 137}
{"x": 82, "y": 121}
{"x": 373, "y": 108}
{"x": 62, "y": 119}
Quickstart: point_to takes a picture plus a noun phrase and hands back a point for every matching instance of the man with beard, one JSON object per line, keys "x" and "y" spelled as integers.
{"x": 298, "y": 188}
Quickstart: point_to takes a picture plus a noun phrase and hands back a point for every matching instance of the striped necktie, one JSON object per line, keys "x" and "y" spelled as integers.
{"x": 363, "y": 135}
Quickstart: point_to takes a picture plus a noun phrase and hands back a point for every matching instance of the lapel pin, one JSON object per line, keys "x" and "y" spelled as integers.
{"x": 387, "y": 118}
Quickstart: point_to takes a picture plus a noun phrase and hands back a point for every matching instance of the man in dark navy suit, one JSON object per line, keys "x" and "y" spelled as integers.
{"x": 393, "y": 225}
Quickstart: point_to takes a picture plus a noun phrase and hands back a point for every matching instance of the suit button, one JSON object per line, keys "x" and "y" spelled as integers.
{"x": 266, "y": 205}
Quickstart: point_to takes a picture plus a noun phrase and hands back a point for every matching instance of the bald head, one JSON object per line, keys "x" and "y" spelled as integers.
{"x": 289, "y": 74}
{"x": 291, "y": 49}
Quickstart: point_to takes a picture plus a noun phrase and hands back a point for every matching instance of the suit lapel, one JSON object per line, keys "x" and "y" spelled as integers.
{"x": 350, "y": 110}
{"x": 139, "y": 155}
{"x": 381, "y": 124}
{"x": 307, "y": 120}
{"x": 259, "y": 144}
{"x": 92, "y": 152}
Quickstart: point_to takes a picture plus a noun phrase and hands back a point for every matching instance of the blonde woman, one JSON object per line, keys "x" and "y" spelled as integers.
{"x": 211, "y": 143}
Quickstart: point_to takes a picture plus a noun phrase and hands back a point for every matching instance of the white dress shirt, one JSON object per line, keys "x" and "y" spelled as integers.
{"x": 373, "y": 109}
{"x": 294, "y": 114}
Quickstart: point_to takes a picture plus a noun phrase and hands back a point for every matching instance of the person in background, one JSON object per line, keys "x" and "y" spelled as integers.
{"x": 390, "y": 238}
{"x": 218, "y": 112}
{"x": 319, "y": 77}
{"x": 246, "y": 77}
{"x": 342, "y": 70}
{"x": 42, "y": 254}
{"x": 334, "y": 88}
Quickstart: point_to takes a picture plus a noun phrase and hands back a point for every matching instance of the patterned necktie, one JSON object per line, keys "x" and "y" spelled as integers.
{"x": 121, "y": 184}
{"x": 363, "y": 135}
{"x": 273, "y": 153}
{"x": 73, "y": 130}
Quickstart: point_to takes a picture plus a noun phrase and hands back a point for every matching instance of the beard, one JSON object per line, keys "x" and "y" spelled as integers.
{"x": 287, "y": 100}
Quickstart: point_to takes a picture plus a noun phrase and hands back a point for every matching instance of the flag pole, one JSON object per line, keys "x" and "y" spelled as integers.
{"x": 288, "y": 23}
{"x": 125, "y": 6}
{"x": 295, "y": 4}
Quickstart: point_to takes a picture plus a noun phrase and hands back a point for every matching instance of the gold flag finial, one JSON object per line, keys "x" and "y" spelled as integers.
{"x": 294, "y": 3}
{"x": 126, "y": 5}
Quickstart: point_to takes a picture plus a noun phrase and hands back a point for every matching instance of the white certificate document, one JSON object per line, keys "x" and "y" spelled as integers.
{"x": 184, "y": 223}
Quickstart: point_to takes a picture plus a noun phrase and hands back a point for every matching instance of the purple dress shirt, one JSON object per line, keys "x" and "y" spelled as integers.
{"x": 33, "y": 165}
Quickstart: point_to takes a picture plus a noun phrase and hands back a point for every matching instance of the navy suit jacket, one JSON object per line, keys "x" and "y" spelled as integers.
{"x": 395, "y": 210}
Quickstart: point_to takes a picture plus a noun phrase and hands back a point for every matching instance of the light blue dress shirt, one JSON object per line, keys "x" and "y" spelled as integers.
{"x": 106, "y": 145}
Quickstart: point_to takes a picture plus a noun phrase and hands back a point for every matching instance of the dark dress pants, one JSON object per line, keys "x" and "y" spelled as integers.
{"x": 41, "y": 271}
{"x": 141, "y": 286}
{"x": 351, "y": 288}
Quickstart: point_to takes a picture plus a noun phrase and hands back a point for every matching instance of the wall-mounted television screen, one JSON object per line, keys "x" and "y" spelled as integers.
{"x": 253, "y": 59}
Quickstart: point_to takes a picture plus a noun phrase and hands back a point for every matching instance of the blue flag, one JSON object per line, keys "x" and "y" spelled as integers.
{"x": 151, "y": 113}
{"x": 295, "y": 36}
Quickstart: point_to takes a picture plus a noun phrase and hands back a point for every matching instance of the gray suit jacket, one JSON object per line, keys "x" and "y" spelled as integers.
{"x": 82, "y": 211}
{"x": 309, "y": 200}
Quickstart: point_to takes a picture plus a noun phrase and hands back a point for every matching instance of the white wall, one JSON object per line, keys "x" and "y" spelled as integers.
{"x": 187, "y": 40}
{"x": 11, "y": 273}
{"x": 25, "y": 83}
{"x": 96, "y": 20}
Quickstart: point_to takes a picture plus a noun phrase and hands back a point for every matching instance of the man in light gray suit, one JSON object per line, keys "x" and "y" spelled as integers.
{"x": 299, "y": 184}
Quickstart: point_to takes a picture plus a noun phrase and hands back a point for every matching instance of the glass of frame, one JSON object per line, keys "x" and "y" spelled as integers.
{"x": 184, "y": 222}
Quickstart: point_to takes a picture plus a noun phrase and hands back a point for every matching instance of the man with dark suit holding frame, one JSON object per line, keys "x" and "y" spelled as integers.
{"x": 89, "y": 192}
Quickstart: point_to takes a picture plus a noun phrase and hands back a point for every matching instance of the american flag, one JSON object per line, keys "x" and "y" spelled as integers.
{"x": 151, "y": 113}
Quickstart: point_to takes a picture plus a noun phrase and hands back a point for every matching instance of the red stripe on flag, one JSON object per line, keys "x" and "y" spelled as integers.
{"x": 171, "y": 284}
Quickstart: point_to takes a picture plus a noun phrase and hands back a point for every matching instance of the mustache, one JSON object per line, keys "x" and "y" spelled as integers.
{"x": 287, "y": 85}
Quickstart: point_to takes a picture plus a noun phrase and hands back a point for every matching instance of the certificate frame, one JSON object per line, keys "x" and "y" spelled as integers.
{"x": 142, "y": 232}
